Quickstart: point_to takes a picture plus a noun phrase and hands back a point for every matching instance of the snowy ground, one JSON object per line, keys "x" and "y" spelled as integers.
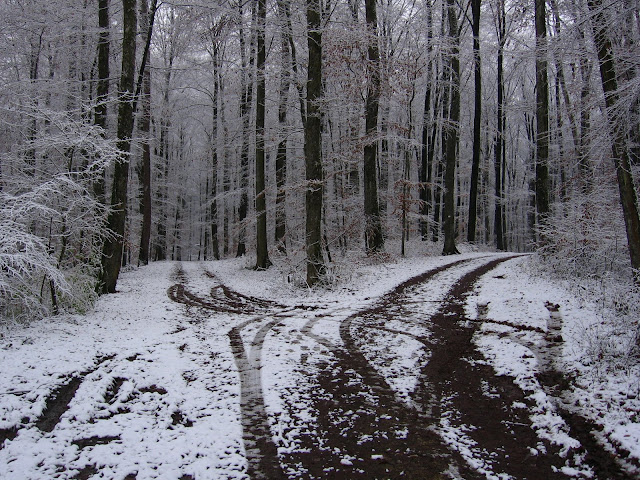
{"x": 154, "y": 388}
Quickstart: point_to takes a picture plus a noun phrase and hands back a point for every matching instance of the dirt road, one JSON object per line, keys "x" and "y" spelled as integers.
{"x": 206, "y": 383}
{"x": 357, "y": 425}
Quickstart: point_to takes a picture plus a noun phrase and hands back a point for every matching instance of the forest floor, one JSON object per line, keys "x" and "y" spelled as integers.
{"x": 464, "y": 367}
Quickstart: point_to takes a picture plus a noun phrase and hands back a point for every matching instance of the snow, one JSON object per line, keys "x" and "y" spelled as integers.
{"x": 177, "y": 406}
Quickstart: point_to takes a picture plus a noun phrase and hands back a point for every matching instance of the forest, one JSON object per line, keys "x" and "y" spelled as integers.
{"x": 302, "y": 134}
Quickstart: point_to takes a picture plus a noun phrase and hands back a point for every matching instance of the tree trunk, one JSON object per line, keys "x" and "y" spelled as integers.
{"x": 426, "y": 150}
{"x": 144, "y": 173}
{"x": 113, "y": 247}
{"x": 477, "y": 119}
{"x": 262, "y": 254}
{"x": 452, "y": 128}
{"x": 619, "y": 146}
{"x": 160, "y": 242}
{"x": 213, "y": 189}
{"x": 313, "y": 147}
{"x": 246, "y": 85}
{"x": 542, "y": 114}
{"x": 102, "y": 87}
{"x": 498, "y": 220}
{"x": 281, "y": 154}
{"x": 374, "y": 241}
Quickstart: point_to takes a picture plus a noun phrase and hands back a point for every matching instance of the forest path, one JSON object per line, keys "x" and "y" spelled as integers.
{"x": 397, "y": 390}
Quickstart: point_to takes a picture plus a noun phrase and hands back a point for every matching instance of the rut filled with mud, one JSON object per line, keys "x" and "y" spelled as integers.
{"x": 360, "y": 426}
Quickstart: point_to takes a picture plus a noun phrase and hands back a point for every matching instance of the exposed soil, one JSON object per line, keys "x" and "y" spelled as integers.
{"x": 362, "y": 430}
{"x": 361, "y": 426}
{"x": 457, "y": 381}
{"x": 7, "y": 434}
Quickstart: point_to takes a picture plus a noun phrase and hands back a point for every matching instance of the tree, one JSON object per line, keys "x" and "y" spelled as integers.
{"x": 102, "y": 86}
{"x": 281, "y": 154}
{"x": 451, "y": 133}
{"x": 313, "y": 146}
{"x": 619, "y": 147}
{"x": 499, "y": 145}
{"x": 213, "y": 189}
{"x": 374, "y": 240}
{"x": 428, "y": 134}
{"x": 51, "y": 225}
{"x": 144, "y": 170}
{"x": 168, "y": 45}
{"x": 113, "y": 246}
{"x": 246, "y": 86}
{"x": 477, "y": 121}
{"x": 262, "y": 260}
{"x": 542, "y": 114}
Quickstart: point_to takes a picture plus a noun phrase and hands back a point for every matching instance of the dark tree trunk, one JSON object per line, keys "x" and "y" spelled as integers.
{"x": 619, "y": 146}
{"x": 426, "y": 151}
{"x": 160, "y": 245}
{"x": 313, "y": 147}
{"x": 160, "y": 241}
{"x": 542, "y": 114}
{"x": 452, "y": 128}
{"x": 374, "y": 240}
{"x": 585, "y": 123}
{"x": 213, "y": 189}
{"x": 144, "y": 173}
{"x": 227, "y": 210}
{"x": 113, "y": 247}
{"x": 262, "y": 254}
{"x": 281, "y": 154}
{"x": 498, "y": 220}
{"x": 102, "y": 88}
{"x": 246, "y": 86}
{"x": 477, "y": 119}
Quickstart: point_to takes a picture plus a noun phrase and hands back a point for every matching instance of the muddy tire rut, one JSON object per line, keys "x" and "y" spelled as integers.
{"x": 361, "y": 428}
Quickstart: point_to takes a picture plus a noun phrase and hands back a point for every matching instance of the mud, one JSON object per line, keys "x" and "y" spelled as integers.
{"x": 361, "y": 429}
{"x": 7, "y": 434}
{"x": 57, "y": 404}
{"x": 458, "y": 383}
{"x": 261, "y": 452}
{"x": 93, "y": 441}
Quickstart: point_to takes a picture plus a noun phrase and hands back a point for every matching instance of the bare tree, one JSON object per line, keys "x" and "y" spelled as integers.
{"x": 144, "y": 169}
{"x": 619, "y": 146}
{"x": 113, "y": 246}
{"x": 281, "y": 154}
{"x": 102, "y": 86}
{"x": 246, "y": 86}
{"x": 451, "y": 133}
{"x": 499, "y": 145}
{"x": 542, "y": 113}
{"x": 374, "y": 240}
{"x": 313, "y": 146}
{"x": 262, "y": 260}
{"x": 429, "y": 128}
{"x": 477, "y": 121}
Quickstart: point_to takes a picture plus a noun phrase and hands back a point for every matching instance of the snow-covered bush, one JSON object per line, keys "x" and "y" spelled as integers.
{"x": 585, "y": 237}
{"x": 51, "y": 224}
{"x": 585, "y": 244}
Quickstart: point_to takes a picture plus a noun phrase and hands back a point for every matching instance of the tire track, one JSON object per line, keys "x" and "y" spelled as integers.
{"x": 458, "y": 378}
{"x": 461, "y": 394}
{"x": 57, "y": 403}
{"x": 260, "y": 450}
{"x": 363, "y": 430}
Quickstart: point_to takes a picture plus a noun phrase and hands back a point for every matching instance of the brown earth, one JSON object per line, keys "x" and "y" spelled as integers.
{"x": 362, "y": 430}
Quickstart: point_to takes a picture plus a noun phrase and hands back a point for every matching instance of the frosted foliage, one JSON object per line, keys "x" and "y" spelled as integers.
{"x": 50, "y": 223}
{"x": 586, "y": 237}
{"x": 585, "y": 244}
